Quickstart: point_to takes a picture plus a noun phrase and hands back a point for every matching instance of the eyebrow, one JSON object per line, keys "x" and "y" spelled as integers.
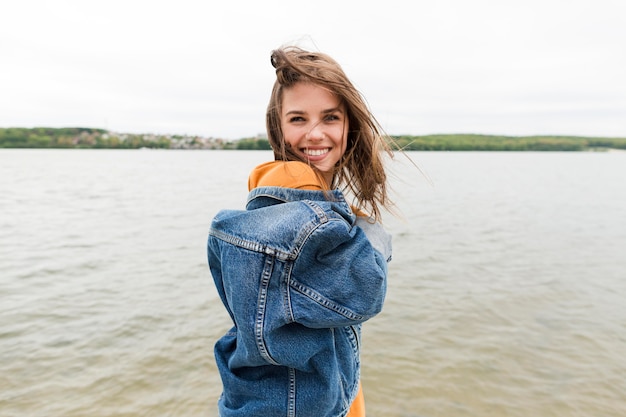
{"x": 328, "y": 111}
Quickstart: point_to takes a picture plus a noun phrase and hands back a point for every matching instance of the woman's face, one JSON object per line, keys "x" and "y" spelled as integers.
{"x": 315, "y": 125}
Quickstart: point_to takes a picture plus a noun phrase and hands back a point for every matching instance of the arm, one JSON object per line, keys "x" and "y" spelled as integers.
{"x": 338, "y": 279}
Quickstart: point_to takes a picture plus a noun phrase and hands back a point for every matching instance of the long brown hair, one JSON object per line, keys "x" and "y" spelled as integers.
{"x": 361, "y": 170}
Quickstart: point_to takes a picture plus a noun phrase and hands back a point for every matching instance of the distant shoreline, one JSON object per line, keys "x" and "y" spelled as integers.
{"x": 90, "y": 138}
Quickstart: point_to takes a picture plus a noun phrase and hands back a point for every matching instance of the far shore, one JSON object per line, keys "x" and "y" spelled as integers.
{"x": 91, "y": 138}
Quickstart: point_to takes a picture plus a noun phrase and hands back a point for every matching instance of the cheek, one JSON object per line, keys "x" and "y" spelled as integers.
{"x": 344, "y": 139}
{"x": 346, "y": 130}
{"x": 287, "y": 135}
{"x": 289, "y": 138}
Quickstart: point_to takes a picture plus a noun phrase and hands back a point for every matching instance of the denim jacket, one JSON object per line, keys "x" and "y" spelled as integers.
{"x": 298, "y": 277}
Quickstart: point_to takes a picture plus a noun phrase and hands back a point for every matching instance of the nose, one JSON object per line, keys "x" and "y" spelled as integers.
{"x": 316, "y": 133}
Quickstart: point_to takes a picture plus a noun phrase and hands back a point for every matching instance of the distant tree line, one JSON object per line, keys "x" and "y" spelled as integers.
{"x": 254, "y": 144}
{"x": 77, "y": 137}
{"x": 466, "y": 142}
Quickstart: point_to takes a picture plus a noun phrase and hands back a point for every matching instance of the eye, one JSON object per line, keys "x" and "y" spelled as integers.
{"x": 332, "y": 117}
{"x": 295, "y": 119}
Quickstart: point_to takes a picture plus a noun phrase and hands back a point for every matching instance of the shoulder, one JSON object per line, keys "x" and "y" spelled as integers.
{"x": 287, "y": 174}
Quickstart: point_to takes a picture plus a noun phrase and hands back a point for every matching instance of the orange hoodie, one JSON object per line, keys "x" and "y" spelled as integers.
{"x": 294, "y": 174}
{"x": 288, "y": 174}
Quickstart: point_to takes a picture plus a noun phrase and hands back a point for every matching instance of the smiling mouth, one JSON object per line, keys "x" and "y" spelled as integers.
{"x": 315, "y": 152}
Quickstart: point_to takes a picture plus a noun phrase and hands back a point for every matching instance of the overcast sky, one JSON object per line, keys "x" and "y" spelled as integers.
{"x": 202, "y": 67}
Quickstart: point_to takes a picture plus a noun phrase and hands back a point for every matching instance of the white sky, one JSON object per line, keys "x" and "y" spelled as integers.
{"x": 202, "y": 67}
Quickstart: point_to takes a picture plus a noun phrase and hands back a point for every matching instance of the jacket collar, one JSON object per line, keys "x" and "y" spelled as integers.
{"x": 267, "y": 196}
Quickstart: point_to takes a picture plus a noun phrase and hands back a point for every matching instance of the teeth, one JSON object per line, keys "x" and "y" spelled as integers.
{"x": 315, "y": 152}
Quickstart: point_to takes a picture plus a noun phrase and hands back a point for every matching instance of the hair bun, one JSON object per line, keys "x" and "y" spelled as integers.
{"x": 274, "y": 59}
{"x": 286, "y": 72}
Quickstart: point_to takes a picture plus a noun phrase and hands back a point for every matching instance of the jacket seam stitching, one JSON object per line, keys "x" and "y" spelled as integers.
{"x": 287, "y": 294}
{"x": 251, "y": 245}
{"x": 260, "y": 314}
{"x": 292, "y": 393}
{"x": 325, "y": 302}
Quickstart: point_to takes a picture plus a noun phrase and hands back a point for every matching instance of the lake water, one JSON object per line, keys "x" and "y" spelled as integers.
{"x": 506, "y": 293}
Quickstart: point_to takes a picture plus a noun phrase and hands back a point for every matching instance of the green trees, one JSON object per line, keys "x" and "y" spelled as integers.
{"x": 466, "y": 142}
{"x": 77, "y": 137}
{"x": 255, "y": 144}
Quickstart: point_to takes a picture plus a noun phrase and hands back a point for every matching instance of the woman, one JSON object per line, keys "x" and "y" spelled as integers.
{"x": 298, "y": 271}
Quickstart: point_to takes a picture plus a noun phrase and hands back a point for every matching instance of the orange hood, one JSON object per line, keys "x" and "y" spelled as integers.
{"x": 287, "y": 174}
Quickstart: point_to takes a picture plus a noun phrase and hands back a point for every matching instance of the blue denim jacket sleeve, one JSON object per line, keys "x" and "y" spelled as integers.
{"x": 338, "y": 278}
